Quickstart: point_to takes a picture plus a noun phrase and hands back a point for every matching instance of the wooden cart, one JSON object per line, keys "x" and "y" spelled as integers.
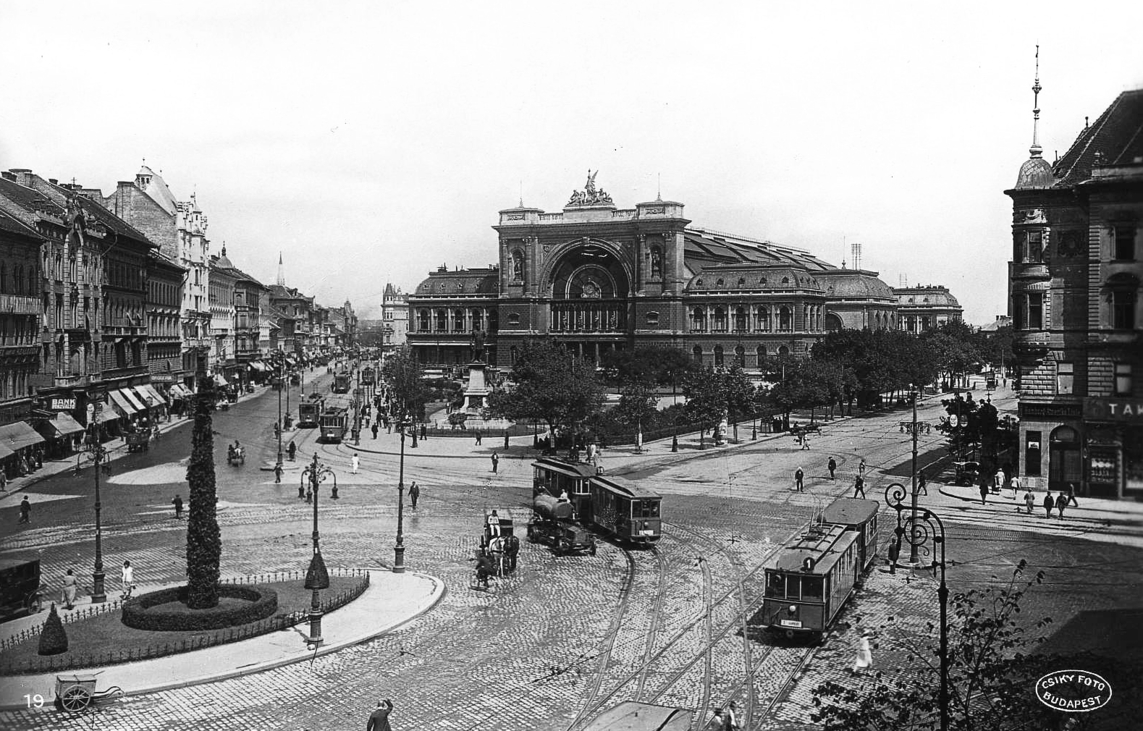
{"x": 77, "y": 692}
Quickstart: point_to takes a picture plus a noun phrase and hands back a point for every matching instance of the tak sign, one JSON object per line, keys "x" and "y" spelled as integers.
{"x": 1073, "y": 691}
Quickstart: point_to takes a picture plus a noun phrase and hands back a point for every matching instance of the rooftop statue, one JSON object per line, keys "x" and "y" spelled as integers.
{"x": 590, "y": 195}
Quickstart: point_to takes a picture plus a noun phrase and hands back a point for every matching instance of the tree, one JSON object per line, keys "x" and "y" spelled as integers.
{"x": 548, "y": 384}
{"x": 715, "y": 393}
{"x": 635, "y": 374}
{"x": 53, "y": 638}
{"x": 204, "y": 540}
{"x": 407, "y": 390}
{"x": 989, "y": 672}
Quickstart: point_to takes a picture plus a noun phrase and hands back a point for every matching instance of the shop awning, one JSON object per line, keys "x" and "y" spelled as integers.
{"x": 178, "y": 390}
{"x": 106, "y": 415}
{"x": 219, "y": 380}
{"x": 63, "y": 425}
{"x": 290, "y": 361}
{"x": 138, "y": 403}
{"x": 122, "y": 403}
{"x": 18, "y": 435}
{"x": 5, "y": 452}
{"x": 147, "y": 391}
{"x": 258, "y": 365}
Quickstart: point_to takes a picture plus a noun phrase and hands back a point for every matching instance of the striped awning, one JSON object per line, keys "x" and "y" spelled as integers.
{"x": 64, "y": 425}
{"x": 148, "y": 390}
{"x": 106, "y": 415}
{"x": 17, "y": 435}
{"x": 219, "y": 380}
{"x": 138, "y": 403}
{"x": 178, "y": 390}
{"x": 122, "y": 403}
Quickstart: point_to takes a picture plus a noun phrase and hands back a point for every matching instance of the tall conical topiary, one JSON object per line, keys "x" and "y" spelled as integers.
{"x": 204, "y": 540}
{"x": 53, "y": 638}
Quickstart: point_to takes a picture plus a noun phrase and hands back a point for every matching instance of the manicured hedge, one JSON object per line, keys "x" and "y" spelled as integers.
{"x": 146, "y": 612}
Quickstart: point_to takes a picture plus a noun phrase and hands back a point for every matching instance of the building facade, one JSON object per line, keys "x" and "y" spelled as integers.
{"x": 222, "y": 281}
{"x": 925, "y": 308}
{"x": 1075, "y": 304}
{"x": 394, "y": 317}
{"x": 21, "y": 290}
{"x": 164, "y": 315}
{"x": 599, "y": 278}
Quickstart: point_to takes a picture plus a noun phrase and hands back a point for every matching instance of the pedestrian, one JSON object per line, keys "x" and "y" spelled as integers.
{"x": 1000, "y": 477}
{"x": 379, "y": 719}
{"x": 983, "y": 491}
{"x": 478, "y": 438}
{"x": 128, "y": 580}
{"x": 1072, "y": 494}
{"x": 356, "y": 461}
{"x": 832, "y": 465}
{"x": 1029, "y": 500}
{"x": 1048, "y": 503}
{"x": 25, "y": 511}
{"x": 292, "y": 450}
{"x": 69, "y": 588}
{"x": 859, "y": 486}
{"x": 178, "y": 503}
{"x": 495, "y": 461}
{"x": 3, "y": 480}
{"x": 1061, "y": 503}
{"x": 424, "y": 431}
{"x": 493, "y": 525}
{"x": 861, "y": 467}
{"x": 894, "y": 554}
{"x": 301, "y": 491}
{"x": 798, "y": 475}
{"x": 731, "y": 722}
{"x": 717, "y": 721}
{"x": 805, "y": 441}
{"x": 864, "y": 654}
{"x": 375, "y": 428}
{"x": 277, "y": 473}
{"x": 1014, "y": 483}
{"x": 921, "y": 490}
{"x": 414, "y": 493}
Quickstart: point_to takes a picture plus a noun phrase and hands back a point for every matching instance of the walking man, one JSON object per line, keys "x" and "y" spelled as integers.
{"x": 356, "y": 461}
{"x": 894, "y": 554}
{"x": 859, "y": 486}
{"x": 983, "y": 491}
{"x": 379, "y": 719}
{"x": 805, "y": 441}
{"x": 1014, "y": 483}
{"x": 128, "y": 579}
{"x": 1029, "y": 500}
{"x": 292, "y": 450}
{"x": 69, "y": 589}
{"x": 178, "y": 503}
{"x": 832, "y": 465}
{"x": 861, "y": 467}
{"x": 478, "y": 438}
{"x": 798, "y": 475}
{"x": 1048, "y": 503}
{"x": 731, "y": 722}
{"x": 1061, "y": 503}
{"x": 25, "y": 511}
{"x": 414, "y": 493}
{"x": 495, "y": 461}
{"x": 864, "y": 654}
{"x": 374, "y": 430}
{"x": 1072, "y": 494}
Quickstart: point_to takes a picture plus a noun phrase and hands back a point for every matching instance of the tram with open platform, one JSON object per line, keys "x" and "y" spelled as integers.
{"x": 333, "y": 423}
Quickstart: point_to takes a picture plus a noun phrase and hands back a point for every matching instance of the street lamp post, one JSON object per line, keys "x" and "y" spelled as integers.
{"x": 278, "y": 424}
{"x": 914, "y": 427}
{"x": 917, "y": 528}
{"x": 98, "y": 456}
{"x": 399, "y": 548}
{"x": 317, "y": 577}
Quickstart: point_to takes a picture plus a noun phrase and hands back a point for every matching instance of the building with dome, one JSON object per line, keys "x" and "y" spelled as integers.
{"x": 924, "y": 308}
{"x": 1075, "y": 307}
{"x": 601, "y": 278}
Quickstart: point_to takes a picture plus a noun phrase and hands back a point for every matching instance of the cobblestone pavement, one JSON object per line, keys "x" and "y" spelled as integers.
{"x": 565, "y": 637}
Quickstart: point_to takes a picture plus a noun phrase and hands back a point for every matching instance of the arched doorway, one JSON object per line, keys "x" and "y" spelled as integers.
{"x": 1064, "y": 465}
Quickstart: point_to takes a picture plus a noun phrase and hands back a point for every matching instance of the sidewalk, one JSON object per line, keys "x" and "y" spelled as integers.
{"x": 391, "y": 601}
{"x": 1106, "y": 512}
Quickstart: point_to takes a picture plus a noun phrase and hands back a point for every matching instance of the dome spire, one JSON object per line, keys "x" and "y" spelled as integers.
{"x": 1035, "y": 149}
{"x": 281, "y": 271}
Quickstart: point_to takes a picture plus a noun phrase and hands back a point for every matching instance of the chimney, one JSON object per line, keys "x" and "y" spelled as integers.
{"x": 23, "y": 176}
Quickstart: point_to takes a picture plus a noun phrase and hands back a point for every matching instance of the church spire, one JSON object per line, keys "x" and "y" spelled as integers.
{"x": 1035, "y": 149}
{"x": 281, "y": 271}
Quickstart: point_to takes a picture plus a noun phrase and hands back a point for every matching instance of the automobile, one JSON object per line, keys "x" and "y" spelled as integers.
{"x": 564, "y": 538}
{"x": 967, "y": 473}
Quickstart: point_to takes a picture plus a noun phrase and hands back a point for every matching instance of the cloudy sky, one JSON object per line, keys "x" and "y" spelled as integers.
{"x": 371, "y": 142}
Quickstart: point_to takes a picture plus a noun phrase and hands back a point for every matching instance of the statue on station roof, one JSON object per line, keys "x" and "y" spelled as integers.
{"x": 590, "y": 195}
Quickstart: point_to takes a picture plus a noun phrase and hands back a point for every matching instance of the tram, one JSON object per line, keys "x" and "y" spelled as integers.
{"x": 817, "y": 570}
{"x": 333, "y": 422}
{"x": 341, "y": 382}
{"x": 612, "y": 505}
{"x": 310, "y": 411}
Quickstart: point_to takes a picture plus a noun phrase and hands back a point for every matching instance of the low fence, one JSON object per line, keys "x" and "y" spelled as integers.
{"x": 53, "y": 663}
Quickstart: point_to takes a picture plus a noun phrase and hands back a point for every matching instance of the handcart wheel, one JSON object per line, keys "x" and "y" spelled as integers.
{"x": 75, "y": 698}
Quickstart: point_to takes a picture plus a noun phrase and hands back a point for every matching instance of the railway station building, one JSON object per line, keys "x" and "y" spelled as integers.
{"x": 598, "y": 277}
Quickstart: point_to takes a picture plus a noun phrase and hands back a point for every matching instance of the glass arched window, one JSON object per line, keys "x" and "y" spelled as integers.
{"x": 477, "y": 320}
{"x": 442, "y": 320}
{"x": 718, "y": 356}
{"x": 761, "y": 354}
{"x": 785, "y": 320}
{"x": 458, "y": 321}
{"x": 740, "y": 356}
{"x": 719, "y": 324}
{"x": 783, "y": 350}
{"x": 698, "y": 320}
{"x": 696, "y": 353}
{"x": 740, "y": 319}
{"x": 764, "y": 319}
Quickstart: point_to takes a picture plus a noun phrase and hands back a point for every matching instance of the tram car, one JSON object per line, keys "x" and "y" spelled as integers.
{"x": 333, "y": 422}
{"x": 817, "y": 571}
{"x": 556, "y": 477}
{"x": 309, "y": 412}
{"x": 612, "y": 505}
{"x": 341, "y": 382}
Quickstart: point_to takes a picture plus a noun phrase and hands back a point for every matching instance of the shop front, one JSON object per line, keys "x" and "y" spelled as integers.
{"x": 61, "y": 433}
{"x": 1114, "y": 446}
{"x": 21, "y": 449}
{"x": 1051, "y": 435}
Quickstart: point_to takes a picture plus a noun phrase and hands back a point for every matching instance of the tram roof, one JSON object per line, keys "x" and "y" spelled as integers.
{"x": 823, "y": 546}
{"x": 850, "y": 511}
{"x": 622, "y": 484}
{"x": 572, "y": 469}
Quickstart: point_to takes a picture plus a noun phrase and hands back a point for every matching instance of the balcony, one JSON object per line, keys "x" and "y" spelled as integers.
{"x": 1031, "y": 272}
{"x": 601, "y": 316}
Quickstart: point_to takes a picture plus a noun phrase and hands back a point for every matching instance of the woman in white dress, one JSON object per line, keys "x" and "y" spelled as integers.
{"x": 864, "y": 654}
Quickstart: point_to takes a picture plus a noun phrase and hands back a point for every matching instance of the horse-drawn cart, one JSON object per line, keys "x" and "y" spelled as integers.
{"x": 76, "y": 692}
{"x": 139, "y": 441}
{"x": 235, "y": 455}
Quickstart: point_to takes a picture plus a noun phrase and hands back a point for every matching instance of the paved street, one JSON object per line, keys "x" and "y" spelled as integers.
{"x": 564, "y": 638}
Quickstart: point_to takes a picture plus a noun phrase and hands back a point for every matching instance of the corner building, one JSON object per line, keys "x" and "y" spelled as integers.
{"x": 1077, "y": 229}
{"x": 599, "y": 278}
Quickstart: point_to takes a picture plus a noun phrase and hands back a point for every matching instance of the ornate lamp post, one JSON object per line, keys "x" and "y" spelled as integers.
{"x": 399, "y": 549}
{"x": 918, "y": 528}
{"x": 278, "y": 424}
{"x": 317, "y": 577}
{"x": 915, "y": 428}
{"x": 98, "y": 454}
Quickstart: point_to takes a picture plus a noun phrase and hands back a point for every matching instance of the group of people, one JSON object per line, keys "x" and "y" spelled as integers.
{"x": 831, "y": 465}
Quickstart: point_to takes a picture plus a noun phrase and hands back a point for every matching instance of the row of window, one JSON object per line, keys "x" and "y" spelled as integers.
{"x": 18, "y": 330}
{"x": 739, "y": 355}
{"x": 14, "y": 383}
{"x": 1028, "y": 246}
{"x": 1028, "y": 310}
{"x": 757, "y": 319}
{"x": 439, "y": 320}
{"x": 21, "y": 280}
{"x": 1065, "y": 379}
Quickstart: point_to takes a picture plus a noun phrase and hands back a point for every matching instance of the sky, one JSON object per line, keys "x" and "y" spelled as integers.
{"x": 373, "y": 142}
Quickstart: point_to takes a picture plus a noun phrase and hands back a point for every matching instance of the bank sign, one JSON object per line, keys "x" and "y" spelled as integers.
{"x": 1073, "y": 691}
{"x": 1113, "y": 409}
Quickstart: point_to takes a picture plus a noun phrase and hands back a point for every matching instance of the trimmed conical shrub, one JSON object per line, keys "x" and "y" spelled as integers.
{"x": 53, "y": 638}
